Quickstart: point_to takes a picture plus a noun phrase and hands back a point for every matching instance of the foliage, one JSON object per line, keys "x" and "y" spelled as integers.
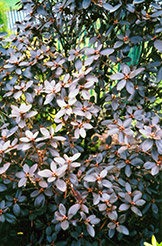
{"x": 3, "y": 18}
{"x": 10, "y": 3}
{"x": 58, "y": 101}
{"x": 154, "y": 242}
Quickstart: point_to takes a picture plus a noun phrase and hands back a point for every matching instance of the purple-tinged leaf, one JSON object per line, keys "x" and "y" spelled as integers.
{"x": 159, "y": 146}
{"x": 103, "y": 173}
{"x": 99, "y": 158}
{"x": 155, "y": 208}
{"x": 136, "y": 72}
{"x": 107, "y": 52}
{"x": 90, "y": 178}
{"x": 89, "y": 84}
{"x": 29, "y": 134}
{"x": 62, "y": 209}
{"x": 157, "y": 13}
{"x": 58, "y": 71}
{"x": 107, "y": 6}
{"x": 125, "y": 69}
{"x": 73, "y": 93}
{"x": 137, "y": 196}
{"x": 2, "y": 218}
{"x": 17, "y": 94}
{"x": 121, "y": 84}
{"x": 106, "y": 183}
{"x": 87, "y": 126}
{"x": 60, "y": 160}
{"x": 113, "y": 131}
{"x": 159, "y": 75}
{"x": 3, "y": 187}
{"x": 89, "y": 61}
{"x": 45, "y": 173}
{"x": 136, "y": 162}
{"x": 10, "y": 218}
{"x": 111, "y": 8}
{"x": 90, "y": 230}
{"x": 73, "y": 210}
{"x": 128, "y": 132}
{"x": 111, "y": 225}
{"x": 115, "y": 104}
{"x": 138, "y": 1}
{"x": 29, "y": 97}
{"x": 116, "y": 7}
{"x": 155, "y": 170}
{"x": 60, "y": 113}
{"x": 25, "y": 108}
{"x": 12, "y": 131}
{"x": 127, "y": 123}
{"x": 85, "y": 94}
{"x": 31, "y": 114}
{"x": 33, "y": 169}
{"x": 82, "y": 132}
{"x": 147, "y": 145}
{"x": 43, "y": 184}
{"x": 89, "y": 51}
{"x": 128, "y": 171}
{"x": 94, "y": 220}
{"x": 118, "y": 44}
{"x": 39, "y": 201}
{"x": 149, "y": 165}
{"x": 124, "y": 207}
{"x": 59, "y": 138}
{"x": 122, "y": 229}
{"x": 122, "y": 218}
{"x": 16, "y": 209}
{"x": 158, "y": 44}
{"x": 49, "y": 99}
{"x": 128, "y": 197}
{"x": 122, "y": 149}
{"x": 140, "y": 202}
{"x": 128, "y": 187}
{"x": 65, "y": 225}
{"x": 86, "y": 4}
{"x": 75, "y": 156}
{"x": 61, "y": 103}
{"x": 22, "y": 182}
{"x": 96, "y": 199}
{"x": 26, "y": 168}
{"x": 130, "y": 87}
{"x": 44, "y": 132}
{"x": 130, "y": 7}
{"x": 136, "y": 39}
{"x": 136, "y": 211}
{"x": 4, "y": 168}
{"x": 113, "y": 215}
{"x": 78, "y": 64}
{"x": 61, "y": 185}
{"x": 24, "y": 139}
{"x": 34, "y": 193}
{"x": 117, "y": 76}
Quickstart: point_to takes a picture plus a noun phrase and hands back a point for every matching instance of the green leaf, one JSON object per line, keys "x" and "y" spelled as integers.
{"x": 153, "y": 240}
{"x": 147, "y": 244}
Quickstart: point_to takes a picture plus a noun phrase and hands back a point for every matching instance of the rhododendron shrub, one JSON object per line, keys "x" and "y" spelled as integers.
{"x": 80, "y": 125}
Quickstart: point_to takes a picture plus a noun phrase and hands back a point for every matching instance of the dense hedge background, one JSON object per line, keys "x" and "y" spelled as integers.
{"x": 81, "y": 135}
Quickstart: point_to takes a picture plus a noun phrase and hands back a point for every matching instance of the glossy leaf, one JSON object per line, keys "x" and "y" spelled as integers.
{"x": 86, "y": 4}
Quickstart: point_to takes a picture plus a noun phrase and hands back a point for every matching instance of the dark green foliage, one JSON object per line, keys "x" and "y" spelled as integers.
{"x": 81, "y": 128}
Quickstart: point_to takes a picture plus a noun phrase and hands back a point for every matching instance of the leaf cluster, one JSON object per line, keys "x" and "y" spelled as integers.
{"x": 81, "y": 122}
